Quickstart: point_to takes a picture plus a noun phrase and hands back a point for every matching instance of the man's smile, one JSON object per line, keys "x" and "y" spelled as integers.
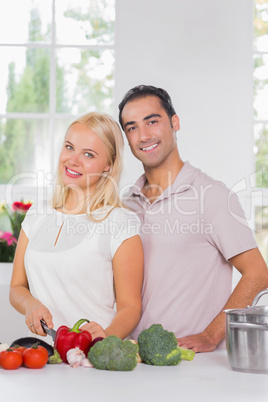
{"x": 150, "y": 147}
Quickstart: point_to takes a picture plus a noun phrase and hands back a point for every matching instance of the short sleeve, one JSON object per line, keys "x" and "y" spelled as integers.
{"x": 123, "y": 224}
{"x": 32, "y": 218}
{"x": 231, "y": 233}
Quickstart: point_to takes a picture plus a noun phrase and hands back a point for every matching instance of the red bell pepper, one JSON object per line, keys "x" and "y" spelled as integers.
{"x": 69, "y": 338}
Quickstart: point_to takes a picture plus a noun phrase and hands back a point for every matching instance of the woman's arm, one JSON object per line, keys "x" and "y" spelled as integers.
{"x": 128, "y": 277}
{"x": 20, "y": 296}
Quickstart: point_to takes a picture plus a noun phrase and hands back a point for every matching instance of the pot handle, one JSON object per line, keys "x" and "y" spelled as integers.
{"x": 259, "y": 295}
{"x": 248, "y": 325}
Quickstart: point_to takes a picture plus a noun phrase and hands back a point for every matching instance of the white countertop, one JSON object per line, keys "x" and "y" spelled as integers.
{"x": 207, "y": 378}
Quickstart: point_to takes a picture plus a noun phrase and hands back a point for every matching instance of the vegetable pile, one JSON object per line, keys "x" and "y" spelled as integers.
{"x": 34, "y": 357}
{"x": 69, "y": 338}
{"x": 73, "y": 346}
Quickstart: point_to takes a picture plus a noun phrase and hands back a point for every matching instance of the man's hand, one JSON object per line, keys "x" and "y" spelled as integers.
{"x": 198, "y": 343}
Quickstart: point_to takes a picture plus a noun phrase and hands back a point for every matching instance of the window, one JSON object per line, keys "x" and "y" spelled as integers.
{"x": 260, "y": 55}
{"x": 57, "y": 61}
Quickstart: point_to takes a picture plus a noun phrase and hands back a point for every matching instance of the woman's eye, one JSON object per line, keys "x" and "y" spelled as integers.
{"x": 89, "y": 155}
{"x": 67, "y": 146}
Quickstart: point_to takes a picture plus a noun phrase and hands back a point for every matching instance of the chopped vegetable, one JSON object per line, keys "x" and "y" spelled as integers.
{"x": 186, "y": 354}
{"x": 112, "y": 353}
{"x": 158, "y": 346}
{"x": 68, "y": 338}
{"x": 55, "y": 358}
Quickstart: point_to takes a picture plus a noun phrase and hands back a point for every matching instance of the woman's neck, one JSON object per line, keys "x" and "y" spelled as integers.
{"x": 73, "y": 204}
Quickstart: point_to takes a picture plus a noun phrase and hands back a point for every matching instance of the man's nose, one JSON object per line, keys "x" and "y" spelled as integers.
{"x": 145, "y": 134}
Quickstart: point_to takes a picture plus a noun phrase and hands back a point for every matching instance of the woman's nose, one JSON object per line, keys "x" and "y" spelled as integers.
{"x": 75, "y": 159}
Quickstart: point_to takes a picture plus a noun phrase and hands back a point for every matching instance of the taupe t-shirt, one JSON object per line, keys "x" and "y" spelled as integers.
{"x": 189, "y": 234}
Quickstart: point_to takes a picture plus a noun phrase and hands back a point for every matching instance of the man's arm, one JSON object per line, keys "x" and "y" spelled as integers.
{"x": 254, "y": 278}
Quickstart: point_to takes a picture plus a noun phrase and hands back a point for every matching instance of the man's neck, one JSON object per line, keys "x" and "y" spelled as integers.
{"x": 160, "y": 178}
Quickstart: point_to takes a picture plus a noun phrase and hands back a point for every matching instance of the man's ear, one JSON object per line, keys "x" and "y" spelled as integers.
{"x": 175, "y": 122}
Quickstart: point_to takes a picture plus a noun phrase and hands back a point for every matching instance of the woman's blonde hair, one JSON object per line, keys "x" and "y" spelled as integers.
{"x": 107, "y": 190}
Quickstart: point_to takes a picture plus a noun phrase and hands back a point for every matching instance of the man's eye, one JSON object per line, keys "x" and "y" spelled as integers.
{"x": 152, "y": 121}
{"x": 131, "y": 128}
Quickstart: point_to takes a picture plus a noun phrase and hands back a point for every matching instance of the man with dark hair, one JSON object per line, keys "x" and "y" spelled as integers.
{"x": 193, "y": 230}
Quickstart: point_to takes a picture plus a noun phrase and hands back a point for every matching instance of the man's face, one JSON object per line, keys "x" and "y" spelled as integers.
{"x": 150, "y": 133}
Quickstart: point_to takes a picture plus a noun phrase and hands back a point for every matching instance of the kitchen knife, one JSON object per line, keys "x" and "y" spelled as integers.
{"x": 47, "y": 330}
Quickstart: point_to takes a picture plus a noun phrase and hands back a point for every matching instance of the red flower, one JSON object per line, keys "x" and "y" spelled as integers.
{"x": 21, "y": 206}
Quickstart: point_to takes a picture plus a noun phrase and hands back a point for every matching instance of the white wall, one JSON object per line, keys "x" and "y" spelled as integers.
{"x": 200, "y": 51}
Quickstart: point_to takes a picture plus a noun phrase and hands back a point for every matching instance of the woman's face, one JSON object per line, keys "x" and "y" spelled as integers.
{"x": 83, "y": 159}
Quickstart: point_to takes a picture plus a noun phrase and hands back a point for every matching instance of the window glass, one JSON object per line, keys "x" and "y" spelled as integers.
{"x": 260, "y": 55}
{"x": 24, "y": 83}
{"x": 88, "y": 77}
{"x": 261, "y": 154}
{"x": 261, "y": 25}
{"x": 24, "y": 149}
{"x": 261, "y": 230}
{"x": 261, "y": 86}
{"x": 24, "y": 21}
{"x": 85, "y": 22}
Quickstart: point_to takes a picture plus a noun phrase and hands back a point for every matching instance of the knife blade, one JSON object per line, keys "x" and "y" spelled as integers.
{"x": 47, "y": 330}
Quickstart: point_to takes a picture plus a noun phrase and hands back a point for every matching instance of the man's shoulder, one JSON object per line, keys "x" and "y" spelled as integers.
{"x": 201, "y": 178}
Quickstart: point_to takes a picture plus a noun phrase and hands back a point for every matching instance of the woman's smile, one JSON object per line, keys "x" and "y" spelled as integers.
{"x": 72, "y": 173}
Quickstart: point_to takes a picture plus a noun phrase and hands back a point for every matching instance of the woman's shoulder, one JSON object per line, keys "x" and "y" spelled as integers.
{"x": 40, "y": 208}
{"x": 35, "y": 215}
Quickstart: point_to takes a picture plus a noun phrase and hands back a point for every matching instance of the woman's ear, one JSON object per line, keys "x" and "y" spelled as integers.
{"x": 107, "y": 168}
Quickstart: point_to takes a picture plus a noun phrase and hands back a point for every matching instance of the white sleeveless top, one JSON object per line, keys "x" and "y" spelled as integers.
{"x": 72, "y": 275}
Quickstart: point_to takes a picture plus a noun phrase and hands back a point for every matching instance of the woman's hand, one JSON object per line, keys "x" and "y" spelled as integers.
{"x": 35, "y": 312}
{"x": 95, "y": 330}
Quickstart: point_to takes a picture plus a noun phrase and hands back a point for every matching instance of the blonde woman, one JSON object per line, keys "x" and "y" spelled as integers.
{"x": 82, "y": 254}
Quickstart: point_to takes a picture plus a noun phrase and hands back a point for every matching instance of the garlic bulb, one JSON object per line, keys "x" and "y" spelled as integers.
{"x": 3, "y": 347}
{"x": 76, "y": 358}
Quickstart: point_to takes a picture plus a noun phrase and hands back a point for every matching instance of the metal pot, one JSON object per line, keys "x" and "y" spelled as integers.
{"x": 247, "y": 337}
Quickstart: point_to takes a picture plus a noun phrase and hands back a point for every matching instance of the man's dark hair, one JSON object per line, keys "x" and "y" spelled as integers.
{"x": 142, "y": 91}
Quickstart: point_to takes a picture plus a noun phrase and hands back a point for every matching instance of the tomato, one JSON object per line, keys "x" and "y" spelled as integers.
{"x": 35, "y": 357}
{"x": 10, "y": 359}
{"x": 18, "y": 348}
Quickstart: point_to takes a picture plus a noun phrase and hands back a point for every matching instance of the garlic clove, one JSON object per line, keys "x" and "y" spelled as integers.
{"x": 86, "y": 363}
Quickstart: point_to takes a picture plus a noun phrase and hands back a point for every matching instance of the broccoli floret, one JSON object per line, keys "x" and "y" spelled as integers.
{"x": 158, "y": 346}
{"x": 186, "y": 354}
{"x": 114, "y": 354}
{"x": 55, "y": 358}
